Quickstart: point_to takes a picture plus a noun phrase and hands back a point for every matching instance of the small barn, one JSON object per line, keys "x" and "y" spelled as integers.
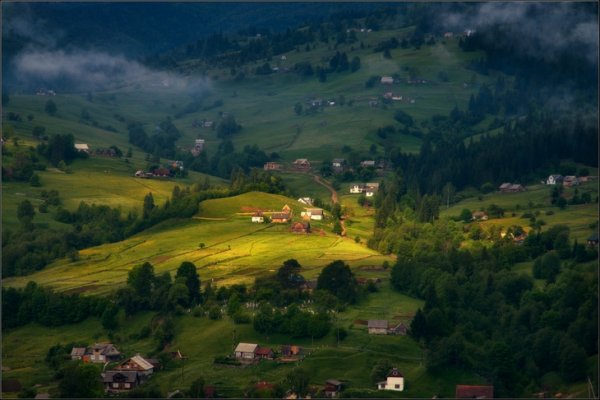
{"x": 378, "y": 326}
{"x": 246, "y": 351}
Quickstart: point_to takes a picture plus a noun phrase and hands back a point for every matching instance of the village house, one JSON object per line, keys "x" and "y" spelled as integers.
{"x": 394, "y": 381}
{"x": 280, "y": 218}
{"x": 264, "y": 353}
{"x": 102, "y": 352}
{"x": 479, "y": 216}
{"x": 333, "y": 387}
{"x": 301, "y": 164}
{"x": 272, "y": 166}
{"x": 120, "y": 381}
{"x": 246, "y": 351}
{"x": 312, "y": 213}
{"x": 137, "y": 363}
{"x": 306, "y": 201}
{"x": 300, "y": 227}
{"x": 367, "y": 164}
{"x": 387, "y": 80}
{"x": 371, "y": 191}
{"x": 554, "y": 180}
{"x": 377, "y": 327}
{"x": 474, "y": 392}
{"x": 508, "y": 187}
{"x": 570, "y": 180}
{"x": 82, "y": 148}
{"x": 77, "y": 353}
{"x": 356, "y": 188}
{"x": 257, "y": 217}
{"x": 399, "y": 329}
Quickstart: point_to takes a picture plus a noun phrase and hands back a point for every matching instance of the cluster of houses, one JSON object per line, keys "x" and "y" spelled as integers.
{"x": 567, "y": 181}
{"x": 125, "y": 375}
{"x": 44, "y": 92}
{"x": 170, "y": 169}
{"x": 368, "y": 189}
{"x": 252, "y": 352}
{"x": 285, "y": 216}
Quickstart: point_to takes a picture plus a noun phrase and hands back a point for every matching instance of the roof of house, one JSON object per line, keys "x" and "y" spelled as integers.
{"x": 107, "y": 349}
{"x": 263, "y": 351}
{"x": 394, "y": 373}
{"x": 246, "y": 347}
{"x": 377, "y": 323}
{"x": 315, "y": 211}
{"x": 77, "y": 351}
{"x": 334, "y": 382}
{"x": 130, "y": 376}
{"x": 505, "y": 185}
{"x": 367, "y": 162}
{"x": 471, "y": 391}
{"x": 372, "y": 185}
{"x": 339, "y": 160}
{"x": 301, "y": 161}
{"x": 81, "y": 146}
{"x": 556, "y": 176}
{"x": 479, "y": 213}
{"x": 141, "y": 361}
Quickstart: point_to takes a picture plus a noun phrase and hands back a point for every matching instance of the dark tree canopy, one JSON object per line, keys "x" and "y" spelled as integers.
{"x": 338, "y": 279}
{"x": 189, "y": 276}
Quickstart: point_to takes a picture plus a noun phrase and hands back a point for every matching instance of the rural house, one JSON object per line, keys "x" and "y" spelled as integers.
{"x": 103, "y": 352}
{"x": 377, "y": 327}
{"x": 246, "y": 351}
{"x": 120, "y": 381}
{"x": 272, "y": 166}
{"x": 332, "y": 388}
{"x": 312, "y": 213}
{"x": 338, "y": 165}
{"x": 300, "y": 227}
{"x": 77, "y": 353}
{"x": 264, "y": 353}
{"x": 82, "y": 148}
{"x": 554, "y": 180}
{"x": 198, "y": 147}
{"x": 508, "y": 187}
{"x": 479, "y": 216}
{"x": 592, "y": 240}
{"x": 399, "y": 329}
{"x": 291, "y": 351}
{"x": 474, "y": 392}
{"x": 306, "y": 201}
{"x": 136, "y": 363}
{"x": 356, "y": 188}
{"x": 387, "y": 80}
{"x": 301, "y": 164}
{"x": 280, "y": 218}
{"x": 570, "y": 180}
{"x": 257, "y": 217}
{"x": 394, "y": 381}
{"x": 367, "y": 164}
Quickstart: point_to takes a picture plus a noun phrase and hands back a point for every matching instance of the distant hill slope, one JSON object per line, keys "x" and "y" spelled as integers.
{"x": 247, "y": 203}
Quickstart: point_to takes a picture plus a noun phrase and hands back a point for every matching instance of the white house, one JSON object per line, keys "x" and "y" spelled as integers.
{"x": 356, "y": 188}
{"x": 315, "y": 214}
{"x": 395, "y": 381}
{"x": 258, "y": 217}
{"x": 246, "y": 351}
{"x": 554, "y": 179}
{"x": 82, "y": 147}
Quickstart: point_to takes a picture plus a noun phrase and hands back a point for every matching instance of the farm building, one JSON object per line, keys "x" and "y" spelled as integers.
{"x": 356, "y": 188}
{"x": 592, "y": 240}
{"x": 103, "y": 352}
{"x": 77, "y": 353}
{"x": 264, "y": 353}
{"x": 136, "y": 363}
{"x": 280, "y": 218}
{"x": 394, "y": 381}
{"x": 338, "y": 165}
{"x": 554, "y": 180}
{"x": 272, "y": 166}
{"x": 332, "y": 388}
{"x": 508, "y": 187}
{"x": 378, "y": 327}
{"x": 570, "y": 180}
{"x": 258, "y": 217}
{"x": 82, "y": 147}
{"x": 312, "y": 213}
{"x": 479, "y": 216}
{"x": 306, "y": 201}
{"x": 399, "y": 329}
{"x": 474, "y": 392}
{"x": 367, "y": 164}
{"x": 120, "y": 381}
{"x": 300, "y": 227}
{"x": 291, "y": 350}
{"x": 387, "y": 80}
{"x": 246, "y": 351}
{"x": 301, "y": 164}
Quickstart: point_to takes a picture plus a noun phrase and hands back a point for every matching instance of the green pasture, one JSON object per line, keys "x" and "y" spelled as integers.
{"x": 235, "y": 251}
{"x": 247, "y": 204}
{"x": 536, "y": 199}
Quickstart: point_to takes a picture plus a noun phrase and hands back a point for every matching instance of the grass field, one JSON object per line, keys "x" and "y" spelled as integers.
{"x": 536, "y": 199}
{"x": 235, "y": 250}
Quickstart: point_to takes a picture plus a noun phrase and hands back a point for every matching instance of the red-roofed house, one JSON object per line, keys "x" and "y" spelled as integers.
{"x": 264, "y": 353}
{"x": 474, "y": 392}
